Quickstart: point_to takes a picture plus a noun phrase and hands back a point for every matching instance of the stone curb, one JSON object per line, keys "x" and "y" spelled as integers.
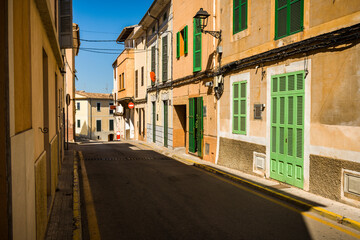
{"x": 303, "y": 205}
{"x": 77, "y": 228}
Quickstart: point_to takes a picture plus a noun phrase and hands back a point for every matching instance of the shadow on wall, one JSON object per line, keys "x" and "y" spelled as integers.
{"x": 84, "y": 130}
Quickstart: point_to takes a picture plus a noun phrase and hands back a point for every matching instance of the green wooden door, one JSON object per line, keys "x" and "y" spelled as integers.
{"x": 154, "y": 121}
{"x": 192, "y": 142}
{"x": 165, "y": 124}
{"x": 199, "y": 125}
{"x": 287, "y": 128}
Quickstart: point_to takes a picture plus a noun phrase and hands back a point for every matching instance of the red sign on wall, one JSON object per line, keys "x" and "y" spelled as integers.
{"x": 131, "y": 105}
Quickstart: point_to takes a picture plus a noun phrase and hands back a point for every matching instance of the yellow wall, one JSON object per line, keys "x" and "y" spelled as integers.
{"x": 319, "y": 17}
{"x": 125, "y": 64}
{"x": 28, "y": 38}
{"x": 184, "y": 11}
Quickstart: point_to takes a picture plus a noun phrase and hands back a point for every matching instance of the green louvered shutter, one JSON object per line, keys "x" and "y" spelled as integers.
{"x": 178, "y": 44}
{"x": 186, "y": 39}
{"x": 239, "y": 15}
{"x": 164, "y": 59}
{"x": 197, "y": 48}
{"x": 153, "y": 62}
{"x": 236, "y": 117}
{"x": 239, "y": 107}
{"x": 199, "y": 125}
{"x": 242, "y": 110}
{"x": 192, "y": 143}
{"x": 236, "y": 16}
{"x": 288, "y": 17}
{"x": 296, "y": 16}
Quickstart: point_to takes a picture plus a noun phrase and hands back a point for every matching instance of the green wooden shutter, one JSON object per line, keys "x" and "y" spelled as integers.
{"x": 236, "y": 118}
{"x": 288, "y": 17}
{"x": 239, "y": 15}
{"x": 186, "y": 39}
{"x": 242, "y": 109}
{"x": 152, "y": 62}
{"x": 164, "y": 59}
{"x": 191, "y": 125}
{"x": 197, "y": 48}
{"x": 296, "y": 16}
{"x": 239, "y": 107}
{"x": 178, "y": 44}
{"x": 199, "y": 125}
{"x": 236, "y": 16}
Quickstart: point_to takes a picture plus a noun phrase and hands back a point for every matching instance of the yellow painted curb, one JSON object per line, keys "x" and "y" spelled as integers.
{"x": 94, "y": 232}
{"x": 77, "y": 230}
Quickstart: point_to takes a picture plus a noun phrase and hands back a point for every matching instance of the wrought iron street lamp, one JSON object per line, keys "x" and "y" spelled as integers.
{"x": 201, "y": 20}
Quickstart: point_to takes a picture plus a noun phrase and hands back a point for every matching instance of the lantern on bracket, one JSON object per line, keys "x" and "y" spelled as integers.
{"x": 201, "y": 20}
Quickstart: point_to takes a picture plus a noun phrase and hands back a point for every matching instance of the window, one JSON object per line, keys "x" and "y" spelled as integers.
{"x": 136, "y": 83}
{"x": 165, "y": 17}
{"x": 165, "y": 59}
{"x": 153, "y": 29}
{"x": 288, "y": 17}
{"x": 182, "y": 42}
{"x": 153, "y": 61}
{"x": 197, "y": 47}
{"x": 78, "y": 123}
{"x": 123, "y": 80}
{"x": 77, "y": 106}
{"x": 239, "y": 107}
{"x": 111, "y": 125}
{"x": 120, "y": 86}
{"x": 98, "y": 125}
{"x": 239, "y": 15}
{"x": 142, "y": 76}
{"x": 98, "y": 106}
{"x": 110, "y": 110}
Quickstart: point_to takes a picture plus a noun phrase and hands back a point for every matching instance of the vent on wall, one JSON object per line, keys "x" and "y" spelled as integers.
{"x": 350, "y": 187}
{"x": 352, "y": 183}
{"x": 259, "y": 165}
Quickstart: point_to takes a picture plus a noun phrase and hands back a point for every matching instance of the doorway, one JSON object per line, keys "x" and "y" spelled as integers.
{"x": 166, "y": 123}
{"x": 196, "y": 128}
{"x": 154, "y": 120}
{"x": 287, "y": 128}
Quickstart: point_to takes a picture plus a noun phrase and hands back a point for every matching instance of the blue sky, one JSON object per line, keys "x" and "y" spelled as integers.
{"x": 102, "y": 20}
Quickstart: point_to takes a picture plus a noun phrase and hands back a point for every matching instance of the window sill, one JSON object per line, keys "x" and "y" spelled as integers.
{"x": 239, "y": 35}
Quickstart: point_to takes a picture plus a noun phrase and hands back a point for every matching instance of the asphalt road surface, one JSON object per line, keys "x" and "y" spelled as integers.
{"x": 140, "y": 194}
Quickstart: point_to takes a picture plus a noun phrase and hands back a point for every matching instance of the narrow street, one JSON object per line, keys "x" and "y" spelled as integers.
{"x": 140, "y": 194}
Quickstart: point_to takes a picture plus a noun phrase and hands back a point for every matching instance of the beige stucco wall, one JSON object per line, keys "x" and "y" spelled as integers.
{"x": 139, "y": 62}
{"x": 319, "y": 17}
{"x": 28, "y": 144}
{"x": 103, "y": 115}
{"x": 70, "y": 89}
{"x": 82, "y": 114}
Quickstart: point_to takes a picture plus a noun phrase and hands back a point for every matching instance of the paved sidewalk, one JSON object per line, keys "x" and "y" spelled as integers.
{"x": 342, "y": 213}
{"x": 60, "y": 225}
